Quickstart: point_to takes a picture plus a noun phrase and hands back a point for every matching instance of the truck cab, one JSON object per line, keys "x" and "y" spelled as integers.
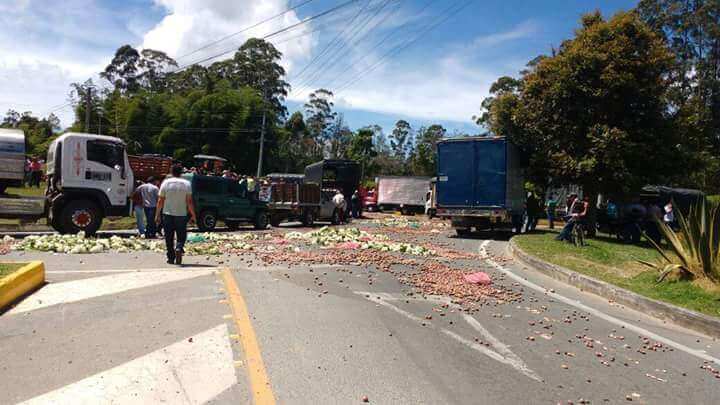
{"x": 89, "y": 178}
{"x": 221, "y": 199}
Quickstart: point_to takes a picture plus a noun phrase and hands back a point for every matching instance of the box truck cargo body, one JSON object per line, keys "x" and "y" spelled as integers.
{"x": 479, "y": 183}
{"x": 405, "y": 193}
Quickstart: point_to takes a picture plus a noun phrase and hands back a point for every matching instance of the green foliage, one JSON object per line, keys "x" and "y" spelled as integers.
{"x": 696, "y": 245}
{"x": 594, "y": 112}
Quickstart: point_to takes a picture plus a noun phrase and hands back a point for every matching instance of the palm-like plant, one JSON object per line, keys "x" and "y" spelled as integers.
{"x": 695, "y": 245}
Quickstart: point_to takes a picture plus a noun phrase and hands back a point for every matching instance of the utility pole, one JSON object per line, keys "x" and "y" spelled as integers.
{"x": 262, "y": 138}
{"x": 88, "y": 100}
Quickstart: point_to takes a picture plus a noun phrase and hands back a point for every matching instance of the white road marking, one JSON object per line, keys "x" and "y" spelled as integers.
{"x": 182, "y": 373}
{"x": 642, "y": 331}
{"x": 78, "y": 290}
{"x": 505, "y": 356}
{"x": 175, "y": 269}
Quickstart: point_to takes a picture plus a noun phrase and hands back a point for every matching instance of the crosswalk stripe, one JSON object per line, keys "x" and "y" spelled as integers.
{"x": 186, "y": 372}
{"x": 78, "y": 290}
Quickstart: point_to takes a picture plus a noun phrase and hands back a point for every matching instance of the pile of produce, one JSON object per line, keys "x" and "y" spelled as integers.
{"x": 198, "y": 244}
{"x": 354, "y": 238}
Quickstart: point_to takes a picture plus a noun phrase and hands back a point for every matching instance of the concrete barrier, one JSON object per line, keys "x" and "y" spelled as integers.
{"x": 702, "y": 323}
{"x": 21, "y": 282}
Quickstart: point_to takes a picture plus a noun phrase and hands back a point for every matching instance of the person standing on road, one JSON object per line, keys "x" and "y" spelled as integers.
{"x": 174, "y": 204}
{"x": 149, "y": 193}
{"x": 340, "y": 205}
{"x": 355, "y": 204}
{"x": 532, "y": 209}
{"x": 550, "y": 207}
{"x": 35, "y": 172}
{"x": 138, "y": 210}
{"x": 578, "y": 212}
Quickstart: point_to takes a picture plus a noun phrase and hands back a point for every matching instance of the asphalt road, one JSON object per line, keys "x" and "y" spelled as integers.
{"x": 127, "y": 328}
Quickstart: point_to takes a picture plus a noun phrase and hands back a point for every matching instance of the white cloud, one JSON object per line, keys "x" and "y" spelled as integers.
{"x": 445, "y": 90}
{"x": 523, "y": 30}
{"x": 191, "y": 24}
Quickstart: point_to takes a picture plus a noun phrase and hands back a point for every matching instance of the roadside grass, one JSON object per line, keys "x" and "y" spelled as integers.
{"x": 7, "y": 268}
{"x": 608, "y": 260}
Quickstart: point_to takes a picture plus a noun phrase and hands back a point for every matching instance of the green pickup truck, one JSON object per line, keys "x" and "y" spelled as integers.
{"x": 220, "y": 199}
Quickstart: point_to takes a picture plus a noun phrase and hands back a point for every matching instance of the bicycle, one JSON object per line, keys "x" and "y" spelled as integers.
{"x": 578, "y": 234}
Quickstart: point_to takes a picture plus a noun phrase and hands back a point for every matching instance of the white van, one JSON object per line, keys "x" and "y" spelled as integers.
{"x": 12, "y": 158}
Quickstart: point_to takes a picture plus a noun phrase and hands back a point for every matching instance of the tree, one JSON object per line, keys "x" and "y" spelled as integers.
{"x": 86, "y": 96}
{"x": 320, "y": 115}
{"x": 595, "y": 113}
{"x": 424, "y": 160}
{"x": 692, "y": 31}
{"x": 122, "y": 70}
{"x": 11, "y": 120}
{"x": 255, "y": 65}
{"x": 362, "y": 150}
{"x": 399, "y": 139}
{"x": 339, "y": 138}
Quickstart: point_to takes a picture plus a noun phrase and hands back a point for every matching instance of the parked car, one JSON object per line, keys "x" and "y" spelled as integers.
{"x": 222, "y": 199}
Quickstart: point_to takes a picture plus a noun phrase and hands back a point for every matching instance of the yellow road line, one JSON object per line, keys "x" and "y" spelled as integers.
{"x": 257, "y": 376}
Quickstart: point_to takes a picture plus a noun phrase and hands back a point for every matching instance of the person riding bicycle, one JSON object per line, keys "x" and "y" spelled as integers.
{"x": 578, "y": 212}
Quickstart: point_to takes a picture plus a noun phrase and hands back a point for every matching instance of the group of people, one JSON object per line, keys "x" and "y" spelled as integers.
{"x": 33, "y": 171}
{"x": 354, "y": 209}
{"x": 167, "y": 210}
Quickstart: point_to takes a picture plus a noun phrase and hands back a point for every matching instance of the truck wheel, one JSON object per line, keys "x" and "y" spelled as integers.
{"x": 335, "y": 220}
{"x": 308, "y": 218}
{"x": 3, "y": 186}
{"x": 261, "y": 220}
{"x": 80, "y": 215}
{"x": 207, "y": 220}
{"x": 462, "y": 232}
{"x": 232, "y": 225}
{"x": 275, "y": 221}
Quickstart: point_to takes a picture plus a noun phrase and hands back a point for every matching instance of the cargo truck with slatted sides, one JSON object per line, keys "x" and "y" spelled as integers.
{"x": 291, "y": 199}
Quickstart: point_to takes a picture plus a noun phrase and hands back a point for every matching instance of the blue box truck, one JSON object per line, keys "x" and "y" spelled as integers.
{"x": 480, "y": 183}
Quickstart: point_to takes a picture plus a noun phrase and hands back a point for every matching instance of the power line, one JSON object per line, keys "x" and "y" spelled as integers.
{"x": 304, "y": 21}
{"x": 334, "y": 40}
{"x": 401, "y": 47}
{"x": 332, "y": 60}
{"x": 378, "y": 44}
{"x": 208, "y": 45}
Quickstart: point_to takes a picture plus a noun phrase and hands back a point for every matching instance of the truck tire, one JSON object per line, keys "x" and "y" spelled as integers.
{"x": 275, "y": 220}
{"x": 232, "y": 225}
{"x": 3, "y": 186}
{"x": 207, "y": 221}
{"x": 261, "y": 220}
{"x": 308, "y": 218}
{"x": 80, "y": 215}
{"x": 463, "y": 232}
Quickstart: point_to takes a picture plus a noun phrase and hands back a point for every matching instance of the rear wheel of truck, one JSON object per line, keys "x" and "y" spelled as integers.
{"x": 308, "y": 218}
{"x": 463, "y": 232}
{"x": 275, "y": 221}
{"x": 261, "y": 220}
{"x": 3, "y": 186}
{"x": 232, "y": 225}
{"x": 80, "y": 215}
{"x": 207, "y": 220}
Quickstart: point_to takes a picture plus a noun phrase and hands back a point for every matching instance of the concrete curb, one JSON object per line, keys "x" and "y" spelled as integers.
{"x": 21, "y": 282}
{"x": 702, "y": 323}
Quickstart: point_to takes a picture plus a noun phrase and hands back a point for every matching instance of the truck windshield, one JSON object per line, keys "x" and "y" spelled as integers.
{"x": 107, "y": 153}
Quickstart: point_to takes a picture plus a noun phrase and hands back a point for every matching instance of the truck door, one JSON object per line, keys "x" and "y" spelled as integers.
{"x": 238, "y": 205}
{"x": 456, "y": 174}
{"x": 106, "y": 169}
{"x": 490, "y": 173}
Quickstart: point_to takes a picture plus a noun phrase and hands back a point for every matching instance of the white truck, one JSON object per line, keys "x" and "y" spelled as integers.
{"x": 89, "y": 178}
{"x": 405, "y": 193}
{"x": 12, "y": 158}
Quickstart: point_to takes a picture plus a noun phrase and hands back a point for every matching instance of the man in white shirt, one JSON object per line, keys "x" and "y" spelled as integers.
{"x": 149, "y": 192}
{"x": 174, "y": 204}
{"x": 339, "y": 201}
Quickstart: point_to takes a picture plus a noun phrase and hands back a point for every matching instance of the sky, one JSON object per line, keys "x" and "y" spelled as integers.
{"x": 424, "y": 61}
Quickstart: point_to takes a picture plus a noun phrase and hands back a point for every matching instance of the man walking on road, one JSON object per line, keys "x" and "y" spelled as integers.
{"x": 149, "y": 193}
{"x": 174, "y": 204}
